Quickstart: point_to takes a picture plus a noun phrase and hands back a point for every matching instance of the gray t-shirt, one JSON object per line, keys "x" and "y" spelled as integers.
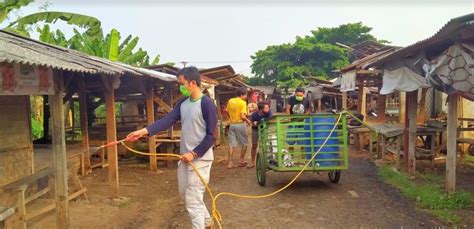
{"x": 198, "y": 126}
{"x": 193, "y": 128}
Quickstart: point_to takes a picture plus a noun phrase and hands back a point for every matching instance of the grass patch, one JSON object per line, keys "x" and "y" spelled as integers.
{"x": 446, "y": 216}
{"x": 126, "y": 204}
{"x": 430, "y": 178}
{"x": 469, "y": 160}
{"x": 429, "y": 194}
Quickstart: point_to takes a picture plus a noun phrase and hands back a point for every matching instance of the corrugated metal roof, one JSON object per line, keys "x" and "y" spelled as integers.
{"x": 367, "y": 48}
{"x": 156, "y": 74}
{"x": 368, "y": 60}
{"x": 447, "y": 32}
{"x": 268, "y": 90}
{"x": 219, "y": 71}
{"x": 17, "y": 49}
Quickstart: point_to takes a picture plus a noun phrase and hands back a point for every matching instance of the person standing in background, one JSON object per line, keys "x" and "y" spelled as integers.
{"x": 237, "y": 109}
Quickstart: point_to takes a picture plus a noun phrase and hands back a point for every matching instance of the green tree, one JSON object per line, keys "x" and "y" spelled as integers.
{"x": 316, "y": 55}
{"x": 349, "y": 34}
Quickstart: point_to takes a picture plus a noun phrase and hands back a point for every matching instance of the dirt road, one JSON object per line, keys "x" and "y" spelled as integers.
{"x": 151, "y": 200}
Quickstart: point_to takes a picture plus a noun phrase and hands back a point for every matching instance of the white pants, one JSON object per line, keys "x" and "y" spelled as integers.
{"x": 192, "y": 191}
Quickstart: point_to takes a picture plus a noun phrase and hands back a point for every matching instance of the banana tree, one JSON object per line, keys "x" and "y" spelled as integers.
{"x": 108, "y": 47}
{"x": 19, "y": 26}
{"x": 91, "y": 24}
{"x": 7, "y": 7}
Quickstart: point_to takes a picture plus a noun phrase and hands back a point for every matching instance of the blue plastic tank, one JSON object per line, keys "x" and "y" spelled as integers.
{"x": 322, "y": 123}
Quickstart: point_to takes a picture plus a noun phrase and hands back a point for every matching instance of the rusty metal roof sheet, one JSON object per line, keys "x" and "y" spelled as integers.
{"x": 449, "y": 32}
{"x": 17, "y": 49}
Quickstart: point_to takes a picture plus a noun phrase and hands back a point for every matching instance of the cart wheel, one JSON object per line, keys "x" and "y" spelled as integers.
{"x": 334, "y": 176}
{"x": 261, "y": 170}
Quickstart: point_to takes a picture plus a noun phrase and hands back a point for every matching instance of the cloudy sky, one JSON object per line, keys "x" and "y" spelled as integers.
{"x": 208, "y": 33}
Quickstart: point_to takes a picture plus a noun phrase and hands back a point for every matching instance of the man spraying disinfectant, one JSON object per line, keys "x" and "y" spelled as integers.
{"x": 197, "y": 114}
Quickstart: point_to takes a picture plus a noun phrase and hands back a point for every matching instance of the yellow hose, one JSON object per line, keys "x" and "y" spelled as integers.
{"x": 216, "y": 216}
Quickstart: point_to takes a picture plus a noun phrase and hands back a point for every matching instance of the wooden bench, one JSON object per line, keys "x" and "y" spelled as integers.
{"x": 20, "y": 187}
{"x": 469, "y": 141}
{"x": 5, "y": 213}
{"x": 80, "y": 156}
{"x": 465, "y": 128}
{"x": 359, "y": 134}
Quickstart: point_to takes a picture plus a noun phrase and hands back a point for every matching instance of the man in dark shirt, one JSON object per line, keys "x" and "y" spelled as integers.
{"x": 263, "y": 112}
{"x": 298, "y": 104}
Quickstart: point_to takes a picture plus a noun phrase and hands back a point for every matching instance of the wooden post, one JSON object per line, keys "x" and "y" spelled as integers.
{"x": 84, "y": 122}
{"x": 461, "y": 134}
{"x": 412, "y": 110}
{"x": 112, "y": 159}
{"x": 360, "y": 93}
{"x": 219, "y": 116}
{"x": 451, "y": 144}
{"x": 402, "y": 104}
{"x": 344, "y": 100}
{"x": 381, "y": 103}
{"x": 363, "y": 110}
{"x": 319, "y": 105}
{"x": 150, "y": 114}
{"x": 405, "y": 131}
{"x": 421, "y": 118}
{"x": 59, "y": 153}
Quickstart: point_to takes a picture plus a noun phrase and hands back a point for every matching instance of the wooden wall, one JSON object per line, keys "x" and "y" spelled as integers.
{"x": 16, "y": 150}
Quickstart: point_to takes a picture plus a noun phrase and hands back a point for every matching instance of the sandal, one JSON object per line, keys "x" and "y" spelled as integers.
{"x": 250, "y": 166}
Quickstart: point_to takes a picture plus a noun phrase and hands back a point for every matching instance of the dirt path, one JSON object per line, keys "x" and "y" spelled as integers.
{"x": 151, "y": 200}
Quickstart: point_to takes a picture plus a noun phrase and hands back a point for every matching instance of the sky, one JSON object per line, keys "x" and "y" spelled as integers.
{"x": 208, "y": 33}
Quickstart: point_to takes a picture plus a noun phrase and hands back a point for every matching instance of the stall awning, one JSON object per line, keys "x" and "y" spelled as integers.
{"x": 402, "y": 79}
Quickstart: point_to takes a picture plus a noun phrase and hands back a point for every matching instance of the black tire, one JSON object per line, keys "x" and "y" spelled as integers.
{"x": 334, "y": 176}
{"x": 261, "y": 170}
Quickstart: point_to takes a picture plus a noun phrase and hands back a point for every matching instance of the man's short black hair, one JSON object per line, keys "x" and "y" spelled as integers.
{"x": 299, "y": 89}
{"x": 241, "y": 91}
{"x": 190, "y": 73}
{"x": 262, "y": 104}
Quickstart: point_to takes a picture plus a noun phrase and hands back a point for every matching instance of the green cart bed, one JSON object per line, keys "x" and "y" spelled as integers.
{"x": 288, "y": 142}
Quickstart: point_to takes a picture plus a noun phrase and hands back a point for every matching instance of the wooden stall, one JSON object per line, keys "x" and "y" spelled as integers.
{"x": 444, "y": 61}
{"x": 29, "y": 67}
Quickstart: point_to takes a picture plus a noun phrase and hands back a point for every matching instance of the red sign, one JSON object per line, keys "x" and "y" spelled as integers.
{"x": 20, "y": 79}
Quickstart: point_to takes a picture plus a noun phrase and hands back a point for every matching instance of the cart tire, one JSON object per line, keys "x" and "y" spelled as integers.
{"x": 261, "y": 170}
{"x": 334, "y": 176}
